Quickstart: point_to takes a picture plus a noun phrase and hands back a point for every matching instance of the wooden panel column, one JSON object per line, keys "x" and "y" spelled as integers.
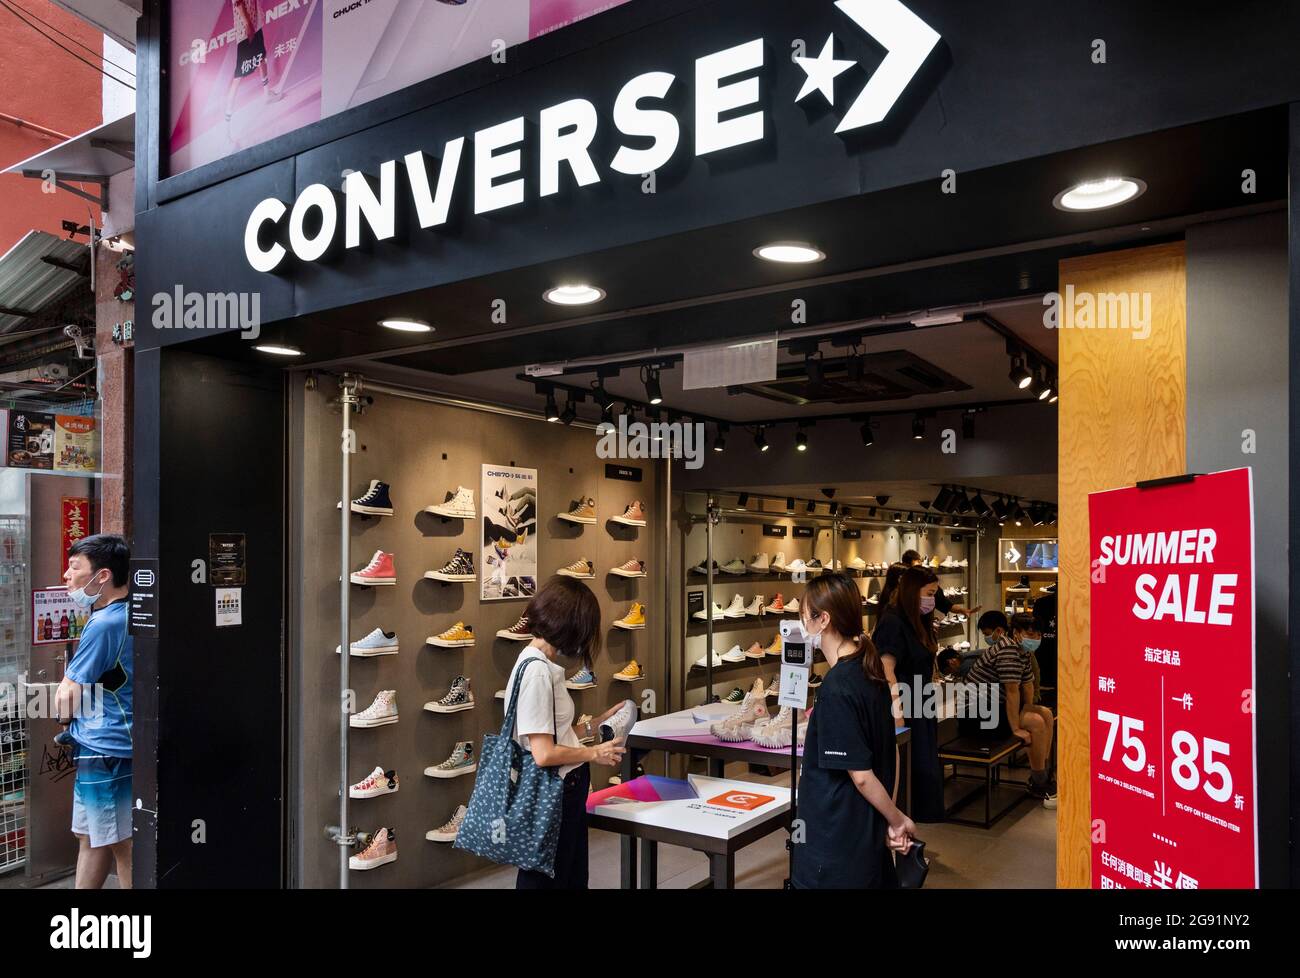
{"x": 1123, "y": 418}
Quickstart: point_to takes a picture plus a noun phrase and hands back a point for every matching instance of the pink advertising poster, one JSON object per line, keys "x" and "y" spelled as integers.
{"x": 245, "y": 71}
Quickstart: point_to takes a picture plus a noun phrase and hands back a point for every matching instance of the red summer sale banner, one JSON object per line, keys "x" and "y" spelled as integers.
{"x": 1172, "y": 685}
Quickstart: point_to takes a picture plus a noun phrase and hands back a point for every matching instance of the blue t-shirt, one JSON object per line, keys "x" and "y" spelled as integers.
{"x": 104, "y": 657}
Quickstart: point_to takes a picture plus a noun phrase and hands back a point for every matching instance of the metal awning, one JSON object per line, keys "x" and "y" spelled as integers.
{"x": 92, "y": 157}
{"x": 36, "y": 273}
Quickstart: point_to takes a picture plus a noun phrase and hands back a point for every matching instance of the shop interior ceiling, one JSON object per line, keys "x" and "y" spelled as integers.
{"x": 889, "y": 254}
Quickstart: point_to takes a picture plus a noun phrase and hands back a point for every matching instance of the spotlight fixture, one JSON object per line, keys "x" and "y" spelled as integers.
{"x": 801, "y": 440}
{"x": 1043, "y": 385}
{"x": 650, "y": 377}
{"x": 790, "y": 253}
{"x": 811, "y": 507}
{"x": 1056, "y": 391}
{"x": 835, "y": 508}
{"x": 816, "y": 373}
{"x": 789, "y": 504}
{"x": 979, "y": 505}
{"x": 742, "y": 501}
{"x": 760, "y": 441}
{"x": 943, "y": 501}
{"x": 898, "y": 517}
{"x": 848, "y": 513}
{"x": 1000, "y": 509}
{"x": 968, "y": 425}
{"x": 1020, "y": 375}
{"x": 278, "y": 350}
{"x": 918, "y": 428}
{"x": 404, "y": 325}
{"x": 1093, "y": 195}
{"x": 552, "y": 412}
{"x": 871, "y": 512}
{"x": 868, "y": 439}
{"x": 570, "y": 412}
{"x": 1018, "y": 515}
{"x": 573, "y": 295}
{"x": 720, "y": 441}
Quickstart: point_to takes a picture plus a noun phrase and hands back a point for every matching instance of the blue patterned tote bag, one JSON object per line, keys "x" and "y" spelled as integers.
{"x": 514, "y": 811}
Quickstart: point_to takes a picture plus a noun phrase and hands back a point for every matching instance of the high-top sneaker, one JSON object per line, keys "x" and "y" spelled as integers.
{"x": 736, "y": 609}
{"x": 378, "y": 573}
{"x": 459, "y": 697}
{"x": 702, "y": 568}
{"x": 857, "y": 564}
{"x": 447, "y": 833}
{"x": 760, "y": 564}
{"x": 778, "y": 562}
{"x": 459, "y": 568}
{"x": 374, "y": 502}
{"x": 755, "y": 607}
{"x": 458, "y": 505}
{"x": 718, "y": 612}
{"x": 776, "y": 606}
{"x": 634, "y": 515}
{"x": 382, "y": 711}
{"x": 775, "y": 647}
{"x": 635, "y": 617}
{"x": 753, "y": 709}
{"x": 775, "y": 731}
{"x": 461, "y": 762}
{"x": 632, "y": 568}
{"x": 381, "y": 851}
{"x": 377, "y": 782}
{"x": 755, "y": 651}
{"x": 518, "y": 632}
{"x": 584, "y": 511}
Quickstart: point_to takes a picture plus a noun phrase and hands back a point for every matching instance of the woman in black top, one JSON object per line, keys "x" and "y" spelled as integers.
{"x": 850, "y": 820}
{"x": 905, "y": 636}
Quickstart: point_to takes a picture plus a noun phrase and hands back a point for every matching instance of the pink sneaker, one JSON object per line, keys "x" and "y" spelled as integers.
{"x": 633, "y": 568}
{"x": 379, "y": 571}
{"x": 634, "y": 515}
{"x": 381, "y": 851}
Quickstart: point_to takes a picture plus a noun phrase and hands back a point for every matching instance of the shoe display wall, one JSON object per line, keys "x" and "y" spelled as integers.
{"x": 610, "y": 535}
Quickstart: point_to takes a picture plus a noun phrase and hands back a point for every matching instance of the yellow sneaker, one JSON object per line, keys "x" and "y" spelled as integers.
{"x": 584, "y": 511}
{"x": 775, "y": 647}
{"x": 630, "y": 673}
{"x": 635, "y": 618}
{"x": 457, "y": 636}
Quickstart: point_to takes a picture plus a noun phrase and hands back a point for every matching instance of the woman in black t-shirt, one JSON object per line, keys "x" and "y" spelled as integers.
{"x": 905, "y": 637}
{"x": 849, "y": 758}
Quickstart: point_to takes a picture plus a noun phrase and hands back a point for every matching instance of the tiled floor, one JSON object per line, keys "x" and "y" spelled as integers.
{"x": 1018, "y": 852}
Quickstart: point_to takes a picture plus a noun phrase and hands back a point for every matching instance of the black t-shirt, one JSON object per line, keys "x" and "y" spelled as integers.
{"x": 1045, "y": 616}
{"x": 851, "y": 729}
{"x": 942, "y": 603}
{"x": 894, "y": 635}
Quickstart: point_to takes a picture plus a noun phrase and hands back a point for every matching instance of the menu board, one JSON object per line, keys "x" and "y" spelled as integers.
{"x": 30, "y": 440}
{"x": 75, "y": 444}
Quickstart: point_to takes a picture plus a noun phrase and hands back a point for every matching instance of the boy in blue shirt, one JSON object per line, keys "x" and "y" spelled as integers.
{"x": 94, "y": 699}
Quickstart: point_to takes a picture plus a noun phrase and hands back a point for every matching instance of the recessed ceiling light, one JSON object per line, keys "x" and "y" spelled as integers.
{"x": 1098, "y": 194}
{"x": 574, "y": 295}
{"x": 277, "y": 350}
{"x": 790, "y": 253}
{"x": 404, "y": 325}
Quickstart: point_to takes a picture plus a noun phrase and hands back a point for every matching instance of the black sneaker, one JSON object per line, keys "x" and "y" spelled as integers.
{"x": 459, "y": 568}
{"x": 375, "y": 502}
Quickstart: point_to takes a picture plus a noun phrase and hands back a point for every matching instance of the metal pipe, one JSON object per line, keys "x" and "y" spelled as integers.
{"x": 348, "y": 388}
{"x": 708, "y": 603}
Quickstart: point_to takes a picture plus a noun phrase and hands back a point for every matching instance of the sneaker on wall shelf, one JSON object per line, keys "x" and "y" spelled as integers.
{"x": 379, "y": 713}
{"x": 373, "y": 502}
{"x": 583, "y": 569}
{"x": 459, "y": 505}
{"x": 632, "y": 568}
{"x": 461, "y": 762}
{"x": 760, "y": 564}
{"x": 630, "y": 673}
{"x": 458, "y": 636}
{"x": 381, "y": 851}
{"x": 583, "y": 512}
{"x": 449, "y": 830}
{"x": 377, "y": 782}
{"x": 518, "y": 632}
{"x": 582, "y": 679}
{"x": 460, "y": 569}
{"x": 634, "y": 619}
{"x": 634, "y": 515}
{"x": 378, "y": 642}
{"x": 460, "y": 697}
{"x": 380, "y": 572}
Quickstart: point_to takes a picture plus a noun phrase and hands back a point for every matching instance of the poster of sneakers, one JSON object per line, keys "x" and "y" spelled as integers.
{"x": 508, "y": 561}
{"x": 244, "y": 71}
{"x": 1027, "y": 555}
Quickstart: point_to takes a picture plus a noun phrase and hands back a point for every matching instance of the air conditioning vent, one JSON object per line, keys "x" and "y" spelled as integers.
{"x": 893, "y": 375}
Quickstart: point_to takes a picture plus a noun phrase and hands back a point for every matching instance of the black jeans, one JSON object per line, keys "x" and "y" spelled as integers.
{"x": 571, "y": 851}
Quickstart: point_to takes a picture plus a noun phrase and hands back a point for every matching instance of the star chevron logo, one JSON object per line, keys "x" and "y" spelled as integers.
{"x": 487, "y": 167}
{"x": 907, "y": 40}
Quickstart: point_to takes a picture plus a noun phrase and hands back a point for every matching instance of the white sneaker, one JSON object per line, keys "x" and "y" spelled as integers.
{"x": 963, "y": 563}
{"x": 736, "y": 609}
{"x": 857, "y": 564}
{"x": 717, "y": 661}
{"x": 792, "y": 606}
{"x": 759, "y": 564}
{"x": 948, "y": 562}
{"x": 620, "y": 723}
{"x": 755, "y": 607}
{"x": 382, "y": 711}
{"x": 735, "y": 567}
{"x": 734, "y": 654}
{"x": 458, "y": 505}
{"x": 378, "y": 782}
{"x": 778, "y": 562}
{"x": 795, "y": 566}
{"x": 717, "y": 613}
{"x": 775, "y": 733}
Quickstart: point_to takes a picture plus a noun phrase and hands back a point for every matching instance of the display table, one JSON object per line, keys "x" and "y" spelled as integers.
{"x": 667, "y": 734}
{"x": 723, "y": 817}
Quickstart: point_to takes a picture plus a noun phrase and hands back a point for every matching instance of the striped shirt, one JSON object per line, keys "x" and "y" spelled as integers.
{"x": 1002, "y": 662}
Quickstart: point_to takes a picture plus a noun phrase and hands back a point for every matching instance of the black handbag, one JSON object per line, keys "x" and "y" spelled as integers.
{"x": 912, "y": 867}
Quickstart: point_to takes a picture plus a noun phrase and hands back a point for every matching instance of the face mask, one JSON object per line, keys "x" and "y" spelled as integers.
{"x": 82, "y": 600}
{"x": 814, "y": 641}
{"x": 1030, "y": 644}
{"x": 927, "y": 604}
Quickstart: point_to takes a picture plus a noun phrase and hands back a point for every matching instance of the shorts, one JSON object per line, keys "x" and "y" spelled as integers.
{"x": 101, "y": 798}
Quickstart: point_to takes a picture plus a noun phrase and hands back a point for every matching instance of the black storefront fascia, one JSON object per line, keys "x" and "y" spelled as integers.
{"x": 1008, "y": 82}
